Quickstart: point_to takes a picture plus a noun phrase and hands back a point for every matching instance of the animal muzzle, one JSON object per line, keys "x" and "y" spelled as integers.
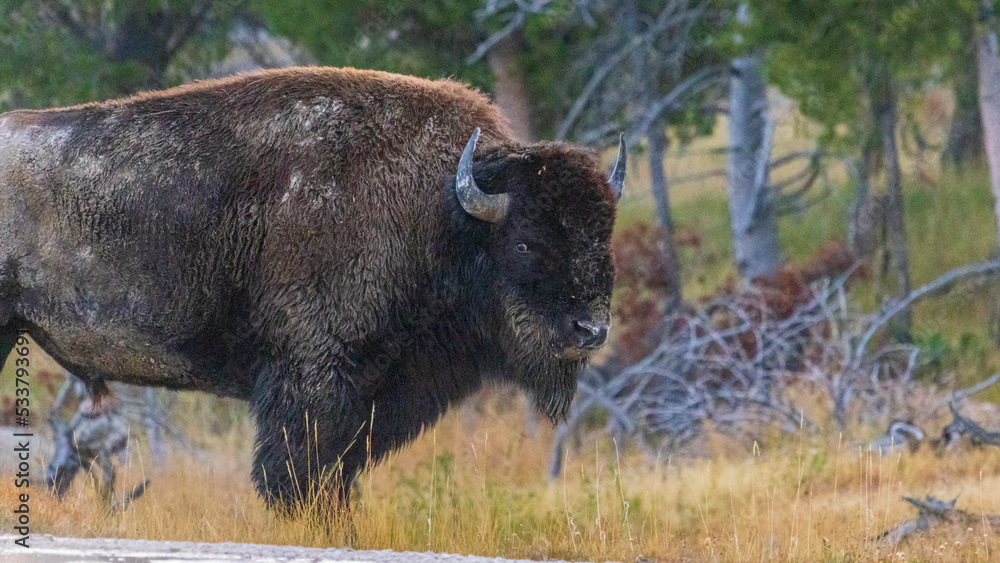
{"x": 589, "y": 334}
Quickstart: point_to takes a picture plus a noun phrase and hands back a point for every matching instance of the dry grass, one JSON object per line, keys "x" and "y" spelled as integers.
{"x": 476, "y": 485}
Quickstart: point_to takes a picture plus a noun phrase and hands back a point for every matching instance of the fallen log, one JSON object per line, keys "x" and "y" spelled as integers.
{"x": 933, "y": 512}
{"x": 961, "y": 426}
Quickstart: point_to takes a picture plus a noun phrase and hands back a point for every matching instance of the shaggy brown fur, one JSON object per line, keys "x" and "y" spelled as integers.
{"x": 293, "y": 238}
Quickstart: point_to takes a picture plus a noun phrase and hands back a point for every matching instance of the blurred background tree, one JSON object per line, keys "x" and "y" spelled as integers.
{"x": 59, "y": 52}
{"x": 849, "y": 64}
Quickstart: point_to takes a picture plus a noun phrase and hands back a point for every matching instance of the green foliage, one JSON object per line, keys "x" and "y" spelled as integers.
{"x": 564, "y": 50}
{"x": 67, "y": 52}
{"x": 829, "y": 54}
{"x": 550, "y": 47}
{"x": 50, "y": 68}
{"x": 935, "y": 349}
{"x": 429, "y": 39}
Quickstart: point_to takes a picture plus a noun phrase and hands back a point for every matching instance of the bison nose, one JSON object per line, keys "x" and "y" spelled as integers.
{"x": 590, "y": 335}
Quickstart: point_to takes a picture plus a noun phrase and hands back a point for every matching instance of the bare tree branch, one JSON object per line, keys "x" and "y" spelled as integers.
{"x": 731, "y": 360}
{"x": 932, "y": 512}
{"x": 699, "y": 176}
{"x": 968, "y": 427}
{"x": 793, "y": 156}
{"x": 989, "y": 382}
{"x": 513, "y": 25}
{"x": 686, "y": 89}
{"x": 610, "y": 99}
{"x": 666, "y": 18}
{"x": 943, "y": 282}
{"x": 595, "y": 80}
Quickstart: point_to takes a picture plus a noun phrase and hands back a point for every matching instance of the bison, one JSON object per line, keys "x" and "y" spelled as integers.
{"x": 327, "y": 244}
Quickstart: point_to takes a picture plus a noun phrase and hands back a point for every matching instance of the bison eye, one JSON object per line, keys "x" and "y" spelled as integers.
{"x": 521, "y": 247}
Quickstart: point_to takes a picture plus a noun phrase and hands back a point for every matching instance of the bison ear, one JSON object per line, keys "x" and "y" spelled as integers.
{"x": 617, "y": 178}
{"x": 475, "y": 202}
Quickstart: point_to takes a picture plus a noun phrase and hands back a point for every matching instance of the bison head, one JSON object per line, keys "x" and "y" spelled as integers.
{"x": 550, "y": 212}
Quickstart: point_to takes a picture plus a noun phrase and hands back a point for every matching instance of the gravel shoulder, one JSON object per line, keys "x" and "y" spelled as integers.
{"x": 50, "y": 549}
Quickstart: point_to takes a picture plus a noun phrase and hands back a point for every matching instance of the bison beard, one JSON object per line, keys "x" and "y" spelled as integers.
{"x": 549, "y": 380}
{"x": 328, "y": 244}
{"x": 553, "y": 390}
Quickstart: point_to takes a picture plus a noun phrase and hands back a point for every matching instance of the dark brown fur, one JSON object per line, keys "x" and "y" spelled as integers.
{"x": 293, "y": 238}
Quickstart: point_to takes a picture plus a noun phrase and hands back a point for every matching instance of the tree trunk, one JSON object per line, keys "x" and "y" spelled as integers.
{"x": 866, "y": 224}
{"x": 965, "y": 135}
{"x": 886, "y": 119}
{"x": 661, "y": 194}
{"x": 508, "y": 86}
{"x": 751, "y": 203}
{"x": 657, "y": 139}
{"x": 989, "y": 95}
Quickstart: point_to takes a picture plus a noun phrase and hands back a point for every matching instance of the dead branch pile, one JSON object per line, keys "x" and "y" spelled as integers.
{"x": 91, "y": 440}
{"x": 931, "y": 513}
{"x": 731, "y": 361}
{"x": 98, "y": 435}
{"x": 964, "y": 427}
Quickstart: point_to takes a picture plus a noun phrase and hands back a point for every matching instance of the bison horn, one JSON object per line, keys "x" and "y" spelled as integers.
{"x": 479, "y": 204}
{"x": 617, "y": 178}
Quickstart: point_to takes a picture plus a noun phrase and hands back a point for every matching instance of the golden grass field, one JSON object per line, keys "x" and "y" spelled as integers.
{"x": 476, "y": 483}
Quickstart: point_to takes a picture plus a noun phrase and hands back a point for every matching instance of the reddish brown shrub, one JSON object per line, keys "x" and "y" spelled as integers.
{"x": 642, "y": 267}
{"x": 641, "y": 286}
{"x": 640, "y": 260}
{"x": 831, "y": 260}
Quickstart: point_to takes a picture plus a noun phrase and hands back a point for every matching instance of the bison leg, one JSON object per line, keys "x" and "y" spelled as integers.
{"x": 310, "y": 441}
